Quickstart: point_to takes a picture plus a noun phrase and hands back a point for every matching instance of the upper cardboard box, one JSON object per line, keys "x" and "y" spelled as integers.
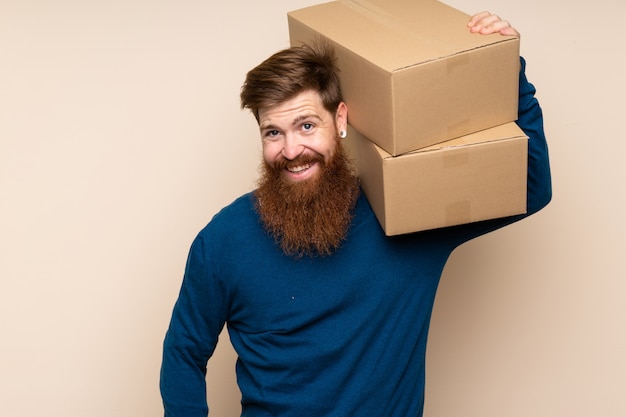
{"x": 411, "y": 72}
{"x": 467, "y": 179}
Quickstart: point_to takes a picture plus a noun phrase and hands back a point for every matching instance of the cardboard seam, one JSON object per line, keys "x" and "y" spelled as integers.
{"x": 380, "y": 16}
{"x": 452, "y": 147}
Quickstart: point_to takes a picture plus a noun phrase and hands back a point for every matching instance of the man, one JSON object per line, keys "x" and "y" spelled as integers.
{"x": 328, "y": 316}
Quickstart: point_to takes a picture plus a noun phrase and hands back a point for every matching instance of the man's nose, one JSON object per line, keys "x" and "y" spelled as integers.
{"x": 292, "y": 147}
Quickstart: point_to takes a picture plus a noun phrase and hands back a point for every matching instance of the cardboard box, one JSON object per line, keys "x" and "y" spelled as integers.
{"x": 475, "y": 177}
{"x": 411, "y": 72}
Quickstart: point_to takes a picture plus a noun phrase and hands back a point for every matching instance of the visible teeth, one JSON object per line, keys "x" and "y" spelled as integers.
{"x": 299, "y": 168}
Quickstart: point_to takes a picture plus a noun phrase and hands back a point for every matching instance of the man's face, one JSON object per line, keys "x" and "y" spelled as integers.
{"x": 299, "y": 134}
{"x": 307, "y": 188}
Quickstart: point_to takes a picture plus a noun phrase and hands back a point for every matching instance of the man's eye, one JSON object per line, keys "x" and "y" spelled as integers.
{"x": 272, "y": 133}
{"x": 307, "y": 126}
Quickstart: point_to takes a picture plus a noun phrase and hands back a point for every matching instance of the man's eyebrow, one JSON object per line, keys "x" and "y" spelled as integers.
{"x": 265, "y": 126}
{"x": 305, "y": 117}
{"x": 297, "y": 120}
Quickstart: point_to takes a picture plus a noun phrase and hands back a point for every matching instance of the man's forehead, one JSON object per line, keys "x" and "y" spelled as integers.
{"x": 302, "y": 106}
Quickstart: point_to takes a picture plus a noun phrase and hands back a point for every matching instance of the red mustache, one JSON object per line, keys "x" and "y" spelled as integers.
{"x": 303, "y": 159}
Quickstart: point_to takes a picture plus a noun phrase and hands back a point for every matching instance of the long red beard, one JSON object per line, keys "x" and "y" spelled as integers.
{"x": 310, "y": 217}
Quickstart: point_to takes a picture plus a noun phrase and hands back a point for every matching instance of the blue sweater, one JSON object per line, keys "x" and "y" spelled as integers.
{"x": 340, "y": 336}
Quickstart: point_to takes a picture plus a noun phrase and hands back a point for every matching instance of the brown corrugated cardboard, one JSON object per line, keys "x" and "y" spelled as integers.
{"x": 471, "y": 178}
{"x": 411, "y": 72}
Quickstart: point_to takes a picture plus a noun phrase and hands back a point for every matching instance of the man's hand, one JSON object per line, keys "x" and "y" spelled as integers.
{"x": 486, "y": 23}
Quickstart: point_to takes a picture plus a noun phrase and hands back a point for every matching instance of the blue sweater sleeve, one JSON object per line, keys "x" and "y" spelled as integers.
{"x": 530, "y": 120}
{"x": 197, "y": 320}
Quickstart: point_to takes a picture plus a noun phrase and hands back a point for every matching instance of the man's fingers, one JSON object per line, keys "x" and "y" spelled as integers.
{"x": 477, "y": 17}
{"x": 486, "y": 23}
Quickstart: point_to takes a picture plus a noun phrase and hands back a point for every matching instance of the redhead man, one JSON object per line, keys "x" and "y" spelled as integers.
{"x": 328, "y": 316}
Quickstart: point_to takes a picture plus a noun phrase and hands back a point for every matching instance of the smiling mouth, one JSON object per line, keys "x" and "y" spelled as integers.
{"x": 299, "y": 168}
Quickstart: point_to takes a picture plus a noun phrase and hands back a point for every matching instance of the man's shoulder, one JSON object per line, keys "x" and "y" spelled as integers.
{"x": 243, "y": 204}
{"x": 240, "y": 213}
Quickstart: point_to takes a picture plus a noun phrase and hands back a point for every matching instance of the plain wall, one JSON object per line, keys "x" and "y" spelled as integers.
{"x": 121, "y": 135}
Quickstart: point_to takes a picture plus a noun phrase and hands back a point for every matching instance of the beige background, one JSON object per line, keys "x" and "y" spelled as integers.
{"x": 121, "y": 135}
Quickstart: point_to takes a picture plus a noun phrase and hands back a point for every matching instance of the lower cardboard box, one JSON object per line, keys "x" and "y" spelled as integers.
{"x": 471, "y": 178}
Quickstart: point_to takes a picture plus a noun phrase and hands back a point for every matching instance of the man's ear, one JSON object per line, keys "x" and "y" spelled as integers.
{"x": 341, "y": 117}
